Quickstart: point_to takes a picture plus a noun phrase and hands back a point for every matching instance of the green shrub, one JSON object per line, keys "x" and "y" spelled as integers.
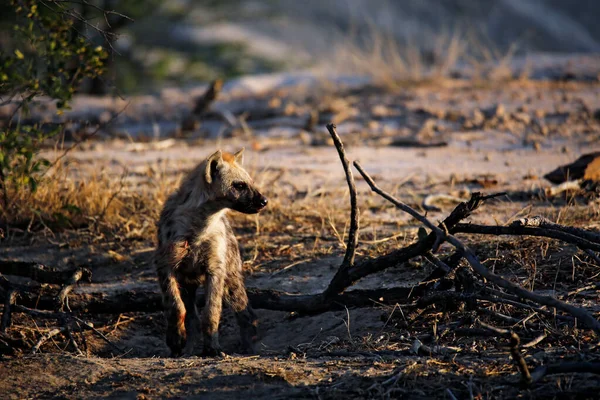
{"x": 46, "y": 56}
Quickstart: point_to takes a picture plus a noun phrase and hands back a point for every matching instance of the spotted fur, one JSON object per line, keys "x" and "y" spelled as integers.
{"x": 196, "y": 246}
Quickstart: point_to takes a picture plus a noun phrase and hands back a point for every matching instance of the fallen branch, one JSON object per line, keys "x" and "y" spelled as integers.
{"x": 565, "y": 368}
{"x": 41, "y": 273}
{"x": 519, "y": 230}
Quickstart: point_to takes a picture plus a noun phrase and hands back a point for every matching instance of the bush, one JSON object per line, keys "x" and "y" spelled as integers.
{"x": 45, "y": 56}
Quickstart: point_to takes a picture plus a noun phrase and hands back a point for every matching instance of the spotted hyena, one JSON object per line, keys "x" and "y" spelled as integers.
{"x": 196, "y": 245}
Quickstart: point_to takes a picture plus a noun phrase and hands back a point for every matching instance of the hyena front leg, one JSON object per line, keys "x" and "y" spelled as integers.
{"x": 167, "y": 260}
{"x": 211, "y": 314}
{"x": 237, "y": 299}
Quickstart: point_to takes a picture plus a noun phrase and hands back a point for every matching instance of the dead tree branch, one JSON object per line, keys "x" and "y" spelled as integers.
{"x": 348, "y": 262}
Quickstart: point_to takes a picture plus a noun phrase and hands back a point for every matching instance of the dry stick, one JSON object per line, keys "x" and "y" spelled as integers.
{"x": 11, "y": 297}
{"x": 593, "y": 255}
{"x": 504, "y": 300}
{"x": 516, "y": 355}
{"x": 576, "y": 312}
{"x": 62, "y": 316}
{"x": 89, "y": 325}
{"x": 354, "y": 217}
{"x": 535, "y": 341}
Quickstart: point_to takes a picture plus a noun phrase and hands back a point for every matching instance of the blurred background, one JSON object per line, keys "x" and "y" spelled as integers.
{"x": 179, "y": 42}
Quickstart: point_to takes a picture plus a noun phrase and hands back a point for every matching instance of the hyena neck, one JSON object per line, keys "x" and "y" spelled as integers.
{"x": 197, "y": 199}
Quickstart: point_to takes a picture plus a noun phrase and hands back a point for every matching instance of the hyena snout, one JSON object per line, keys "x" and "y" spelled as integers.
{"x": 246, "y": 199}
{"x": 256, "y": 204}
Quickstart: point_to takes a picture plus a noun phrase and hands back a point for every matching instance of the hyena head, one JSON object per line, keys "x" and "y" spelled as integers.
{"x": 231, "y": 184}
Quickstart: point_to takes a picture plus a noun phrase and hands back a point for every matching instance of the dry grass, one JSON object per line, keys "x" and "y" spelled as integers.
{"x": 396, "y": 64}
{"x": 65, "y": 201}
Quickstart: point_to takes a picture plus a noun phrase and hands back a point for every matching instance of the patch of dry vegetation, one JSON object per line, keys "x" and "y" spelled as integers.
{"x": 395, "y": 64}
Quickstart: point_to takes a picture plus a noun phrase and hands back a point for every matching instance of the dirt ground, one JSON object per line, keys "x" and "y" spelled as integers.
{"x": 452, "y": 138}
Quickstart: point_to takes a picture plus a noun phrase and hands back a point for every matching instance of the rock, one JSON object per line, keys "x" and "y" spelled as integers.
{"x": 586, "y": 167}
{"x": 522, "y": 117}
{"x": 497, "y": 111}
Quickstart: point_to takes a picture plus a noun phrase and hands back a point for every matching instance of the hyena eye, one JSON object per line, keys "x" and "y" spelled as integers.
{"x": 239, "y": 185}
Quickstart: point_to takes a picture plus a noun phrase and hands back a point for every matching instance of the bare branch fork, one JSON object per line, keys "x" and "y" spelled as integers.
{"x": 510, "y": 287}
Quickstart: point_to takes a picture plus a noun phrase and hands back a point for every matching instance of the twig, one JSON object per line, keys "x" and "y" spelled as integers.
{"x": 514, "y": 350}
{"x": 336, "y": 285}
{"x": 436, "y": 261}
{"x": 449, "y": 393}
{"x": 404, "y": 207}
{"x": 37, "y": 272}
{"x": 85, "y": 138}
{"x": 516, "y": 355}
{"x": 539, "y": 221}
{"x": 89, "y": 325}
{"x": 535, "y": 341}
{"x": 481, "y": 270}
{"x": 46, "y": 337}
{"x": 289, "y": 266}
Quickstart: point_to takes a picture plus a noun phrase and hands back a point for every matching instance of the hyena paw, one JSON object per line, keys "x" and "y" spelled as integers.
{"x": 176, "y": 341}
{"x": 209, "y": 351}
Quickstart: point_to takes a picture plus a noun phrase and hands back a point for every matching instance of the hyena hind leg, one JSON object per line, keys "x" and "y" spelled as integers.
{"x": 166, "y": 260}
{"x": 237, "y": 298}
{"x": 175, "y": 313}
{"x": 211, "y": 314}
{"x": 192, "y": 320}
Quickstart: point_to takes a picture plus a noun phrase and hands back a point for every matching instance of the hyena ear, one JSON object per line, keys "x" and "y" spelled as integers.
{"x": 212, "y": 164}
{"x": 239, "y": 156}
